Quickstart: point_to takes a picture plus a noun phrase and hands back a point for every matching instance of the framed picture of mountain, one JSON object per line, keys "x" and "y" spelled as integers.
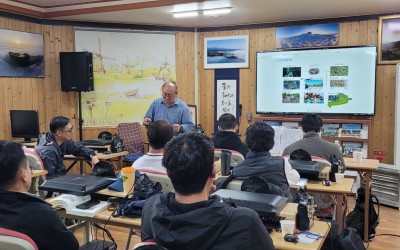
{"x": 389, "y": 40}
{"x": 21, "y": 54}
{"x": 306, "y": 36}
{"x": 226, "y": 52}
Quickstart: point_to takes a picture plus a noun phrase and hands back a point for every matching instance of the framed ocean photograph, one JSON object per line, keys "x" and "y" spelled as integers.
{"x": 21, "y": 54}
{"x": 307, "y": 36}
{"x": 226, "y": 52}
{"x": 389, "y": 40}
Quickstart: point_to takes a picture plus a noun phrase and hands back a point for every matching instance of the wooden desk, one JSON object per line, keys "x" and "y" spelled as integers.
{"x": 365, "y": 169}
{"x": 101, "y": 156}
{"x": 338, "y": 190}
{"x": 35, "y": 176}
{"x": 319, "y": 227}
{"x": 111, "y": 193}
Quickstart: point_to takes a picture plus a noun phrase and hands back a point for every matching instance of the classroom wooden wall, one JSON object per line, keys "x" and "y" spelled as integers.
{"x": 44, "y": 94}
{"x": 350, "y": 34}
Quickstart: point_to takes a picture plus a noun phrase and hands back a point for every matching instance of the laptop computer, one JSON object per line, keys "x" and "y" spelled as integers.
{"x": 77, "y": 184}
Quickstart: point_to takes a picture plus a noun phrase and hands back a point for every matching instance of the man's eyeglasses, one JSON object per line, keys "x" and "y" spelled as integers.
{"x": 68, "y": 131}
{"x": 168, "y": 95}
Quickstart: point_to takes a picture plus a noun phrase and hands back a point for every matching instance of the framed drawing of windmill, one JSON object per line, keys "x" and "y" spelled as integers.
{"x": 127, "y": 77}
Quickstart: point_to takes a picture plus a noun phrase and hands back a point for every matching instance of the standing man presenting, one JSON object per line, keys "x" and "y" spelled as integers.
{"x": 171, "y": 109}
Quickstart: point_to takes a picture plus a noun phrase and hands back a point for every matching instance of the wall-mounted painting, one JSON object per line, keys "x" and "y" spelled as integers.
{"x": 129, "y": 69}
{"x": 226, "y": 52}
{"x": 319, "y": 35}
{"x": 21, "y": 54}
{"x": 389, "y": 40}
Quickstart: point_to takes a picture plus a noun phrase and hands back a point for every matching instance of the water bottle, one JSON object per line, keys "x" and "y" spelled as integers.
{"x": 225, "y": 162}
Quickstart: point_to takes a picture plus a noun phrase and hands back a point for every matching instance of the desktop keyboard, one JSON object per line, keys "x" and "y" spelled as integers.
{"x": 272, "y": 222}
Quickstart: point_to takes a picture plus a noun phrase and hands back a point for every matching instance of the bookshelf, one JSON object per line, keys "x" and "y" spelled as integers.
{"x": 365, "y": 126}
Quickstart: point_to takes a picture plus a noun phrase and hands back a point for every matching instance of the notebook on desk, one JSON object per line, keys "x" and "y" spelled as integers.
{"x": 77, "y": 184}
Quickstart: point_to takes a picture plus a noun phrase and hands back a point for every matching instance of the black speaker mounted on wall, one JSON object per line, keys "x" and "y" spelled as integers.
{"x": 76, "y": 71}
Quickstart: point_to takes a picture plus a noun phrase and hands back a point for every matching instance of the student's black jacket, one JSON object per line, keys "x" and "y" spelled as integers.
{"x": 30, "y": 215}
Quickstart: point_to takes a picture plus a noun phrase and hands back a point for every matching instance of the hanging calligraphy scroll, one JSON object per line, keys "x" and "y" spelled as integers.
{"x": 226, "y": 93}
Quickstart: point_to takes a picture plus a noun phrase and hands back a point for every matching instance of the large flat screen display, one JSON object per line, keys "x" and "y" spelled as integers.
{"x": 338, "y": 80}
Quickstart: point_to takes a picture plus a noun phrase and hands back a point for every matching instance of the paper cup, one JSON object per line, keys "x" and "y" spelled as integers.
{"x": 339, "y": 178}
{"x": 287, "y": 227}
{"x": 357, "y": 156}
{"x": 128, "y": 179}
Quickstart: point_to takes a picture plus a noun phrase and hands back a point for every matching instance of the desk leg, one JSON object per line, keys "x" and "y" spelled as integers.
{"x": 368, "y": 178}
{"x": 339, "y": 212}
{"x": 86, "y": 233}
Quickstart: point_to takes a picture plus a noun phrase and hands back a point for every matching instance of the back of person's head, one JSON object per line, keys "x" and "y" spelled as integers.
{"x": 189, "y": 160}
{"x": 311, "y": 122}
{"x": 260, "y": 137}
{"x": 58, "y": 123}
{"x": 12, "y": 157}
{"x": 159, "y": 133}
{"x": 227, "y": 121}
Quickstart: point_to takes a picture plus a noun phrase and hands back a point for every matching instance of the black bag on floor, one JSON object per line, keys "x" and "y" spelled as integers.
{"x": 355, "y": 218}
{"x": 349, "y": 239}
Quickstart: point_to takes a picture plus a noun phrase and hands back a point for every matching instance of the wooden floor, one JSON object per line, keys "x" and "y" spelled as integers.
{"x": 389, "y": 224}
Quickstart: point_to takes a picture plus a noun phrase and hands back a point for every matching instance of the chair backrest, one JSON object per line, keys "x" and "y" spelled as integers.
{"x": 35, "y": 162}
{"x": 160, "y": 177}
{"x": 236, "y": 157}
{"x": 10, "y": 239}
{"x": 131, "y": 133}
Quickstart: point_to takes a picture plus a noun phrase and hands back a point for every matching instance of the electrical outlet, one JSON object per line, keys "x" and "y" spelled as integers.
{"x": 249, "y": 116}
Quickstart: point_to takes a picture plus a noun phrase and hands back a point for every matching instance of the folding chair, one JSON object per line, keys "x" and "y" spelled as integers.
{"x": 131, "y": 133}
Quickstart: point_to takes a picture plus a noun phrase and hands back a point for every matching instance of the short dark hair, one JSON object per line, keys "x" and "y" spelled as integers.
{"x": 189, "y": 160}
{"x": 159, "y": 133}
{"x": 58, "y": 122}
{"x": 260, "y": 137}
{"x": 311, "y": 122}
{"x": 12, "y": 156}
{"x": 227, "y": 121}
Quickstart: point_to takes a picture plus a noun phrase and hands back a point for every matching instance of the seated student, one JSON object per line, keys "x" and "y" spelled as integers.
{"x": 189, "y": 218}
{"x": 24, "y": 212}
{"x": 227, "y": 136}
{"x": 274, "y": 169}
{"x": 56, "y": 143}
{"x": 159, "y": 133}
{"x": 312, "y": 143}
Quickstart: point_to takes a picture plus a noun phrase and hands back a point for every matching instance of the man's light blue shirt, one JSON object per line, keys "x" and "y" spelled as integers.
{"x": 177, "y": 113}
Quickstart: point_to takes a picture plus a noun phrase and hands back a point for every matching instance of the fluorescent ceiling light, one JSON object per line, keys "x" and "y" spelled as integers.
{"x": 185, "y": 14}
{"x": 212, "y": 12}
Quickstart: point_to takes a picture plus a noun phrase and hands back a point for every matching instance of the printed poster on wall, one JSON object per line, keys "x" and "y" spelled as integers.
{"x": 129, "y": 69}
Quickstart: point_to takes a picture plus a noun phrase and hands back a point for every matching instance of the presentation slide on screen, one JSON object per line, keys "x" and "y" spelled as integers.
{"x": 336, "y": 81}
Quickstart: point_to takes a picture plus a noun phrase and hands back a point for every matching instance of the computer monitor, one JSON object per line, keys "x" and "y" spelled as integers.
{"x": 24, "y": 124}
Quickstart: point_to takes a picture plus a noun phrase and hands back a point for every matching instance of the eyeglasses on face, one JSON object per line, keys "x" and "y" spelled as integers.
{"x": 68, "y": 131}
{"x": 164, "y": 94}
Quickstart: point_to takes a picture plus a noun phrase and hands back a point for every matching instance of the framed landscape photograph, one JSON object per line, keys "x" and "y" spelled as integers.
{"x": 21, "y": 54}
{"x": 226, "y": 52}
{"x": 307, "y": 36}
{"x": 389, "y": 40}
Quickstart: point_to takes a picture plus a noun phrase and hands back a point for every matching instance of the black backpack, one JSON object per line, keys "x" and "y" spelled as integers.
{"x": 355, "y": 218}
{"x": 117, "y": 144}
